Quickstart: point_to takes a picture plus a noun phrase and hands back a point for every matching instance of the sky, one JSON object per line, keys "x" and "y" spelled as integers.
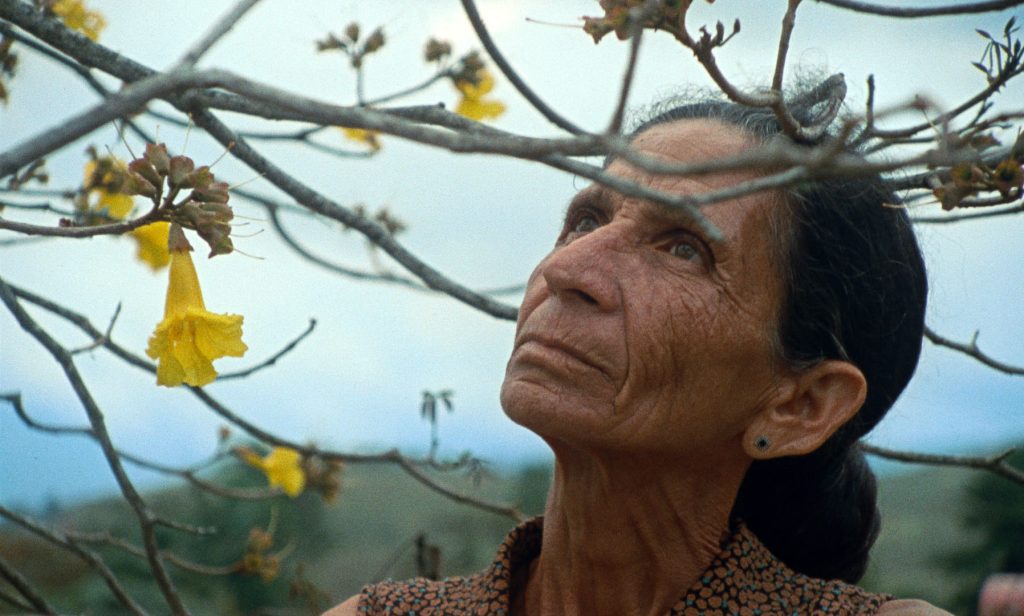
{"x": 356, "y": 383}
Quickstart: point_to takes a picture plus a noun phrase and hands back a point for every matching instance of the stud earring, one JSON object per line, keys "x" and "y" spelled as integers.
{"x": 762, "y": 443}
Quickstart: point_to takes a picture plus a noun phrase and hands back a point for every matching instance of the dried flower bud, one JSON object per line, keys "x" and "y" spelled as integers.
{"x": 135, "y": 184}
{"x": 352, "y": 31}
{"x": 216, "y": 192}
{"x": 1008, "y": 176}
{"x": 145, "y": 169}
{"x": 374, "y": 42}
{"x": 260, "y": 540}
{"x": 271, "y": 567}
{"x": 965, "y": 175}
{"x": 436, "y": 50}
{"x": 179, "y": 168}
{"x": 202, "y": 177}
{"x": 329, "y": 43}
{"x": 157, "y": 156}
{"x": 252, "y": 562}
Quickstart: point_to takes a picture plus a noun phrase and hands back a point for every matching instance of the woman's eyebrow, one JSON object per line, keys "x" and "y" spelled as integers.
{"x": 594, "y": 195}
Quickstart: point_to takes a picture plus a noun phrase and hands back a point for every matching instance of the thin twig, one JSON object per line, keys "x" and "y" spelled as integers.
{"x": 90, "y": 557}
{"x": 189, "y": 474}
{"x": 788, "y": 21}
{"x": 106, "y": 335}
{"x": 98, "y": 423}
{"x": 469, "y": 6}
{"x": 637, "y": 15}
{"x": 25, "y": 588}
{"x": 221, "y": 28}
{"x": 392, "y": 456}
{"x": 105, "y": 538}
{"x": 16, "y": 602}
{"x": 1017, "y": 209}
{"x": 270, "y": 361}
{"x": 115, "y": 228}
{"x": 313, "y": 200}
{"x": 972, "y": 350}
{"x": 929, "y": 11}
{"x": 996, "y": 464}
{"x": 503, "y": 510}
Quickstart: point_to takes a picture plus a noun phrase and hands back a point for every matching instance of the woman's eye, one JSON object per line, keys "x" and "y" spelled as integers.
{"x": 585, "y": 224}
{"x": 684, "y": 249}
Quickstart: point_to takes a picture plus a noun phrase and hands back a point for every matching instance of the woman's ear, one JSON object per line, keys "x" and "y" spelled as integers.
{"x": 808, "y": 408}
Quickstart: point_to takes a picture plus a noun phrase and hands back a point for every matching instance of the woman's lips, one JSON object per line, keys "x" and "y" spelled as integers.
{"x": 546, "y": 345}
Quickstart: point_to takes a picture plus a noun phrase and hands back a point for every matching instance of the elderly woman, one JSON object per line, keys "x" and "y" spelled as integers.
{"x": 703, "y": 399}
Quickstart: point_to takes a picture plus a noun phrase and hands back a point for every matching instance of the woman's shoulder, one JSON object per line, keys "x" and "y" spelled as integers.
{"x": 349, "y": 608}
{"x": 907, "y": 607}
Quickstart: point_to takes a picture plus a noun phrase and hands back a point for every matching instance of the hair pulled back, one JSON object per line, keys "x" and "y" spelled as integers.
{"x": 853, "y": 289}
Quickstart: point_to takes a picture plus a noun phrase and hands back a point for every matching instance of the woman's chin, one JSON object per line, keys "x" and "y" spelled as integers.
{"x": 555, "y": 414}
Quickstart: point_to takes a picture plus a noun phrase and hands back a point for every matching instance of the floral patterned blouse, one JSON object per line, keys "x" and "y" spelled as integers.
{"x": 744, "y": 579}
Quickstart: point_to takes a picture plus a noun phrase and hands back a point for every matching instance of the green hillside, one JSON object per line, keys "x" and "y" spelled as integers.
{"x": 372, "y": 531}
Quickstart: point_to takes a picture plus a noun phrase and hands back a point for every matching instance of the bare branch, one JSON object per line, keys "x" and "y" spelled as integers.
{"x": 637, "y": 16}
{"x": 1017, "y": 209}
{"x": 392, "y": 456}
{"x": 930, "y": 11}
{"x": 115, "y": 228}
{"x": 270, "y": 361}
{"x": 189, "y": 474}
{"x": 119, "y": 105}
{"x": 503, "y": 510}
{"x": 105, "y": 538}
{"x": 788, "y": 21}
{"x": 98, "y": 423}
{"x": 221, "y": 28}
{"x": 15, "y": 401}
{"x": 106, "y": 335}
{"x": 25, "y": 588}
{"x": 469, "y": 6}
{"x": 311, "y": 199}
{"x": 972, "y": 349}
{"x": 90, "y": 557}
{"x": 996, "y": 464}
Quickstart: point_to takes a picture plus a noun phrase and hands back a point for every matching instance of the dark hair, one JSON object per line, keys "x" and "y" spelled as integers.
{"x": 854, "y": 289}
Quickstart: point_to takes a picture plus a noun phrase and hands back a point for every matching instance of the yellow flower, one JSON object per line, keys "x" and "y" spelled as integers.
{"x": 473, "y": 104}
{"x": 108, "y": 200}
{"x": 369, "y": 137}
{"x": 75, "y": 16}
{"x": 282, "y": 466}
{"x": 189, "y": 338}
{"x": 151, "y": 245}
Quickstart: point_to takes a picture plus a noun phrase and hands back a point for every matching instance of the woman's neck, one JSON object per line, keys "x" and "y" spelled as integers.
{"x": 624, "y": 535}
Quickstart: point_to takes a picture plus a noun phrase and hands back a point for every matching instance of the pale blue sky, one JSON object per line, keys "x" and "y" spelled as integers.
{"x": 483, "y": 220}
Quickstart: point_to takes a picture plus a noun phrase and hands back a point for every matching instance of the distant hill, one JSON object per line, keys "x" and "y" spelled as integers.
{"x": 371, "y": 533}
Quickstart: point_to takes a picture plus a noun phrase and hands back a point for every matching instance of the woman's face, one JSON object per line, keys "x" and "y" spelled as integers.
{"x": 636, "y": 333}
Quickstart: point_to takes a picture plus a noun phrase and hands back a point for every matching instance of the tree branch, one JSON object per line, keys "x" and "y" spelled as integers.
{"x": 270, "y": 361}
{"x": 90, "y": 557}
{"x": 392, "y": 456}
{"x": 25, "y": 588}
{"x": 972, "y": 350}
{"x": 221, "y": 28}
{"x": 469, "y": 6}
{"x": 996, "y": 464}
{"x": 98, "y": 423}
{"x": 931, "y": 11}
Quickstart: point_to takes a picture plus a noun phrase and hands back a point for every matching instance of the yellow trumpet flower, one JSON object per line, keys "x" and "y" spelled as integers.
{"x": 190, "y": 337}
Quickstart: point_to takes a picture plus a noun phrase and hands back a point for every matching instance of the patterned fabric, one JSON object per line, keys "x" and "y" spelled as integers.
{"x": 745, "y": 579}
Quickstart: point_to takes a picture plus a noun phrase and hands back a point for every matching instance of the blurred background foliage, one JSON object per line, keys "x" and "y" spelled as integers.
{"x": 944, "y": 530}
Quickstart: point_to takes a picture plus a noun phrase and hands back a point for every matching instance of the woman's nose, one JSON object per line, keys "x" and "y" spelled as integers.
{"x": 588, "y": 270}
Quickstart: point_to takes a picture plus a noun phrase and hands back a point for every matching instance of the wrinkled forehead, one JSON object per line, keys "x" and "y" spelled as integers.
{"x": 702, "y": 140}
{"x": 692, "y": 140}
